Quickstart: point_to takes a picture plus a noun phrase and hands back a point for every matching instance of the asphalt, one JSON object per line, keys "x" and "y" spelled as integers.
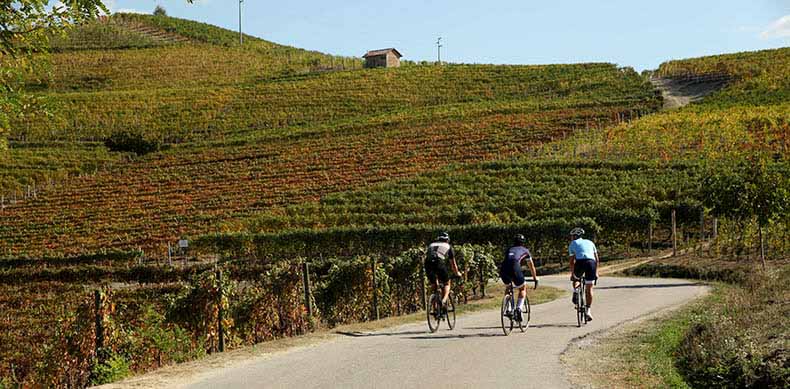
{"x": 475, "y": 354}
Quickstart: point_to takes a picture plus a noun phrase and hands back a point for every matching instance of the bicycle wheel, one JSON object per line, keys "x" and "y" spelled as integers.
{"x": 434, "y": 312}
{"x": 507, "y": 322}
{"x": 525, "y": 315}
{"x": 579, "y": 309}
{"x": 450, "y": 315}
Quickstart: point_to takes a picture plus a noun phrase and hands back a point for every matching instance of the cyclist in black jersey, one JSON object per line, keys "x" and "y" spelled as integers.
{"x": 438, "y": 253}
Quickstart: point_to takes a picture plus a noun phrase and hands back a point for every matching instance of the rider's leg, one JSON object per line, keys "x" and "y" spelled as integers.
{"x": 522, "y": 294}
{"x": 446, "y": 292}
{"x": 589, "y": 300}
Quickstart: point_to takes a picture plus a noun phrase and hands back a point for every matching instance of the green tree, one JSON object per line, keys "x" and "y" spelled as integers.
{"x": 25, "y": 29}
{"x": 747, "y": 190}
{"x": 160, "y": 11}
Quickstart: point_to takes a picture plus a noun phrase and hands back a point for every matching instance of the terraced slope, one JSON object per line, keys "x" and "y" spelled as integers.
{"x": 751, "y": 114}
{"x": 326, "y": 138}
{"x": 113, "y": 55}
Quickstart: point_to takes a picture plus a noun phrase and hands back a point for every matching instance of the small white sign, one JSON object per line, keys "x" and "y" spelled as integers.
{"x": 183, "y": 243}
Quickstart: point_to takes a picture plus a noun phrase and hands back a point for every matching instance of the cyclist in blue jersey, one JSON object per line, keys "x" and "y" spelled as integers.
{"x": 510, "y": 271}
{"x": 584, "y": 263}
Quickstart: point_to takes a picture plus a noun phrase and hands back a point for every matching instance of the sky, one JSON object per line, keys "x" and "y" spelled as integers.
{"x": 640, "y": 34}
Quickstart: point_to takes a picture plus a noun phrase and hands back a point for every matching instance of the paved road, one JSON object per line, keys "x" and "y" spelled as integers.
{"x": 475, "y": 354}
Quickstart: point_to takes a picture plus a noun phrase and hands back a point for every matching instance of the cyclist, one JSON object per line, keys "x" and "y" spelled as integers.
{"x": 584, "y": 262}
{"x": 510, "y": 271}
{"x": 435, "y": 267}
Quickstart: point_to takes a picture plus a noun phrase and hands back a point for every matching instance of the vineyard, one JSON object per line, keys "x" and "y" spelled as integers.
{"x": 751, "y": 115}
{"x": 234, "y": 151}
{"x": 261, "y": 153}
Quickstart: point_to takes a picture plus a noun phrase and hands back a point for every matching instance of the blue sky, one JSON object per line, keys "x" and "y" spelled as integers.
{"x": 634, "y": 33}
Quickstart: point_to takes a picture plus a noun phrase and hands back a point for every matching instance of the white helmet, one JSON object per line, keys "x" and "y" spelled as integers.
{"x": 578, "y": 231}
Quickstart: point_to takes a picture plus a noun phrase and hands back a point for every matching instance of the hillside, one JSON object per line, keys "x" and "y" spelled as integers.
{"x": 243, "y": 128}
{"x": 751, "y": 114}
{"x": 262, "y": 151}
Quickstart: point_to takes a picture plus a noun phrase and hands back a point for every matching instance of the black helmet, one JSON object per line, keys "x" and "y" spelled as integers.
{"x": 578, "y": 231}
{"x": 443, "y": 237}
{"x": 519, "y": 239}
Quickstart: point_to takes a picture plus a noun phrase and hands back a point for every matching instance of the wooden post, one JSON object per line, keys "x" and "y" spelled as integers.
{"x": 422, "y": 287}
{"x": 715, "y": 228}
{"x": 99, "y": 322}
{"x": 306, "y": 280}
{"x": 220, "y": 313}
{"x": 674, "y": 234}
{"x": 650, "y": 239}
{"x": 375, "y": 291}
{"x": 482, "y": 277}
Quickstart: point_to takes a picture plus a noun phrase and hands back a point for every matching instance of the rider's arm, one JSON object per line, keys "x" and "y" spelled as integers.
{"x": 532, "y": 268}
{"x": 597, "y": 263}
{"x": 454, "y": 265}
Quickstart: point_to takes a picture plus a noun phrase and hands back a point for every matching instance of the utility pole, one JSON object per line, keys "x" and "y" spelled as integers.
{"x": 439, "y": 50}
{"x": 241, "y": 37}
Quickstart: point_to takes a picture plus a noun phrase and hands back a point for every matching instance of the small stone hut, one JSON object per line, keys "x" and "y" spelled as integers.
{"x": 384, "y": 58}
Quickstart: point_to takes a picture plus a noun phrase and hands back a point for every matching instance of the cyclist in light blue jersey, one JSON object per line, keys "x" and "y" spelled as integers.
{"x": 584, "y": 263}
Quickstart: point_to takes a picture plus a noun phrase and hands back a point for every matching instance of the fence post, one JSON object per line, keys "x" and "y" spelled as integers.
{"x": 674, "y": 234}
{"x": 220, "y": 313}
{"x": 650, "y": 239}
{"x": 482, "y": 276}
{"x": 715, "y": 228}
{"x": 422, "y": 286}
{"x": 306, "y": 280}
{"x": 97, "y": 295}
{"x": 375, "y": 291}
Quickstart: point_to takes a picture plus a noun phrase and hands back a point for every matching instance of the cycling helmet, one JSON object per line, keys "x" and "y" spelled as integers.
{"x": 519, "y": 239}
{"x": 578, "y": 231}
{"x": 443, "y": 237}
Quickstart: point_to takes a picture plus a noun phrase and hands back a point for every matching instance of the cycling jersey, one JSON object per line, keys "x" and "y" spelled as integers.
{"x": 435, "y": 267}
{"x": 510, "y": 268}
{"x": 582, "y": 249}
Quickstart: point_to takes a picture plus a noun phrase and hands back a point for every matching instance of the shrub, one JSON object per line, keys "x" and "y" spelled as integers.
{"x": 125, "y": 141}
{"x": 742, "y": 340}
{"x": 160, "y": 11}
{"x": 113, "y": 369}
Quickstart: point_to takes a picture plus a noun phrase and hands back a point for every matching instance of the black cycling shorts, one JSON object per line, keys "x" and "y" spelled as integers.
{"x": 585, "y": 267}
{"x": 512, "y": 274}
{"x": 436, "y": 270}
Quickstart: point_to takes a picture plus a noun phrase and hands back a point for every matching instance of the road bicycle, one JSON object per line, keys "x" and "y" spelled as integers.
{"x": 509, "y": 314}
{"x": 437, "y": 313}
{"x": 580, "y": 300}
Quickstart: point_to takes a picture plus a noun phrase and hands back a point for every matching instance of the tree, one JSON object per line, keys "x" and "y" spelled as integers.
{"x": 160, "y": 11}
{"x": 25, "y": 28}
{"x": 747, "y": 190}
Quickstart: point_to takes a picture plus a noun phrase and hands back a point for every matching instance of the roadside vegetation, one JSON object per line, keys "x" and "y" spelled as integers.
{"x": 735, "y": 337}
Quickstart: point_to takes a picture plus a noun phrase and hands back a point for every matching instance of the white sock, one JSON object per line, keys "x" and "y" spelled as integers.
{"x": 521, "y": 303}
{"x": 588, "y": 310}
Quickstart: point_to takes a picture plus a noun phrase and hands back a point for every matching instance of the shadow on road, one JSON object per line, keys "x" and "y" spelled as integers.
{"x": 459, "y": 336}
{"x": 553, "y": 326}
{"x": 647, "y": 286}
{"x": 357, "y": 334}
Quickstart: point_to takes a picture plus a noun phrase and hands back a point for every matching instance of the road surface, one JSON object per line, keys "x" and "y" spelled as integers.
{"x": 475, "y": 354}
